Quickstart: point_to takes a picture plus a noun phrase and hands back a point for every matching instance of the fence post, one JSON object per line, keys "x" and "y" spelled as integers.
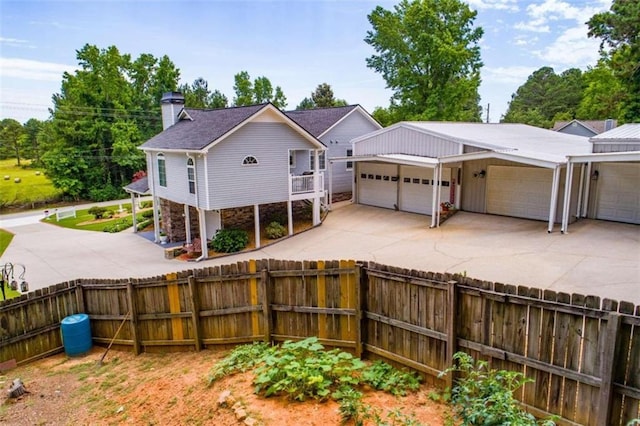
{"x": 195, "y": 312}
{"x": 80, "y": 298}
{"x": 607, "y": 361}
{"x": 133, "y": 311}
{"x": 452, "y": 337}
{"x": 360, "y": 279}
{"x": 266, "y": 304}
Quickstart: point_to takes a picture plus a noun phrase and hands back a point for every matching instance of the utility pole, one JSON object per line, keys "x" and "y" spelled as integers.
{"x": 488, "y": 109}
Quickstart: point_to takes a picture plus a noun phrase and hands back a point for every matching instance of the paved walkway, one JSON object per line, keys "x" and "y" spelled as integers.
{"x": 596, "y": 257}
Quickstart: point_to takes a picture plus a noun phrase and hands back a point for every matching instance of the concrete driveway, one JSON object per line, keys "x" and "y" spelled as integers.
{"x": 595, "y": 258}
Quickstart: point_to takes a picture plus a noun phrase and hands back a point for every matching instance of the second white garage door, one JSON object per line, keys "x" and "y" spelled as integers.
{"x": 618, "y": 195}
{"x": 378, "y": 185}
{"x": 416, "y": 189}
{"x": 519, "y": 191}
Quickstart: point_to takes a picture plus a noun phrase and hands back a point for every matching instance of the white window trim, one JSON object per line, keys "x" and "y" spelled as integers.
{"x": 249, "y": 164}
{"x": 191, "y": 166}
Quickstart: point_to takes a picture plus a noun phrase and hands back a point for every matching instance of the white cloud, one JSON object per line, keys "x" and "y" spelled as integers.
{"x": 558, "y": 9}
{"x": 511, "y": 5}
{"x": 513, "y": 74}
{"x": 15, "y": 42}
{"x": 536, "y": 26}
{"x": 28, "y": 69}
{"x": 572, "y": 48}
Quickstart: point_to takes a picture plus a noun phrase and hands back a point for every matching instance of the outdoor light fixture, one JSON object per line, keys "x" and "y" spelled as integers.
{"x": 481, "y": 174}
{"x": 24, "y": 287}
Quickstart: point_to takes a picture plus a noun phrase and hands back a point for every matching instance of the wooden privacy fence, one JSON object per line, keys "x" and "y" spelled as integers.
{"x": 582, "y": 353}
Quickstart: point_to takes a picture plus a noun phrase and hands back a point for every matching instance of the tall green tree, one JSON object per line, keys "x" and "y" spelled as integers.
{"x": 198, "y": 95}
{"x": 427, "y": 52}
{"x": 603, "y": 94}
{"x": 322, "y": 97}
{"x": 259, "y": 91}
{"x": 546, "y": 96}
{"x": 102, "y": 113}
{"x": 11, "y": 139}
{"x": 619, "y": 30}
{"x": 31, "y": 144}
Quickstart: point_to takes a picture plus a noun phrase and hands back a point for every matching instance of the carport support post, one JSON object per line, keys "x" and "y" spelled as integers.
{"x": 187, "y": 222}
{"x": 587, "y": 187}
{"x": 434, "y": 198}
{"x": 580, "y": 190}
{"x": 567, "y": 197}
{"x": 133, "y": 213}
{"x": 554, "y": 197}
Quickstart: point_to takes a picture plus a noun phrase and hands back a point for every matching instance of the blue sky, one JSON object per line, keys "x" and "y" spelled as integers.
{"x": 296, "y": 44}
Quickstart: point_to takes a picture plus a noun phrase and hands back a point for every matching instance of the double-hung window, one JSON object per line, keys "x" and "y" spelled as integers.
{"x": 162, "y": 170}
{"x": 191, "y": 176}
{"x": 349, "y": 163}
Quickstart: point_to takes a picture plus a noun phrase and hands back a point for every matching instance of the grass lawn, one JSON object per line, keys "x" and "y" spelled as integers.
{"x": 5, "y": 240}
{"x": 87, "y": 222}
{"x": 34, "y": 185}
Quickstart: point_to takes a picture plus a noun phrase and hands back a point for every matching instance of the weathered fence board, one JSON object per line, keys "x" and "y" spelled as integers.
{"x": 413, "y": 318}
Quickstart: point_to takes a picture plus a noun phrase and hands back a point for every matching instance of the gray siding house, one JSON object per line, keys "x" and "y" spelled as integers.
{"x": 206, "y": 161}
{"x": 586, "y": 128}
{"x": 335, "y": 127}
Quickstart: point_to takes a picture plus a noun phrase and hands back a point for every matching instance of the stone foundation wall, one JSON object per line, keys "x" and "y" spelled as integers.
{"x": 172, "y": 220}
{"x": 340, "y": 196}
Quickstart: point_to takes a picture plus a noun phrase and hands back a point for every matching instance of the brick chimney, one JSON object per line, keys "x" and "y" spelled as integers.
{"x": 171, "y": 103}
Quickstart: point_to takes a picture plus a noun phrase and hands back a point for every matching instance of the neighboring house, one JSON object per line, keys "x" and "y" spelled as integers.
{"x": 335, "y": 127}
{"x": 504, "y": 169}
{"x": 586, "y": 128}
{"x": 207, "y": 161}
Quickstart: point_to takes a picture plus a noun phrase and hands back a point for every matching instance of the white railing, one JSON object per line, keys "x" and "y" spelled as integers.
{"x": 304, "y": 184}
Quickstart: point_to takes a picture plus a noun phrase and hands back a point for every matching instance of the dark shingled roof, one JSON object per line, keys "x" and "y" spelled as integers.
{"x": 207, "y": 126}
{"x": 317, "y": 121}
{"x": 141, "y": 186}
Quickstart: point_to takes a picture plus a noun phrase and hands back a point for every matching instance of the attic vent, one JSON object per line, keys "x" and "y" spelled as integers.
{"x": 249, "y": 160}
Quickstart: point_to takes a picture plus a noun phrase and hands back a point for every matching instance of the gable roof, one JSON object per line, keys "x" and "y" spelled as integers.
{"x": 141, "y": 186}
{"x": 516, "y": 141}
{"x": 594, "y": 126}
{"x": 629, "y": 132}
{"x": 198, "y": 129}
{"x": 319, "y": 121}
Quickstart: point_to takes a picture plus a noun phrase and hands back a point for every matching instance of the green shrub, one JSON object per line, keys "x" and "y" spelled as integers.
{"x": 241, "y": 359}
{"x": 275, "y": 230}
{"x": 108, "y": 214}
{"x": 144, "y": 224}
{"x": 120, "y": 225}
{"x": 147, "y": 214}
{"x": 229, "y": 240}
{"x": 383, "y": 376}
{"x": 146, "y": 204}
{"x": 482, "y": 396}
{"x": 106, "y": 193}
{"x": 97, "y": 212}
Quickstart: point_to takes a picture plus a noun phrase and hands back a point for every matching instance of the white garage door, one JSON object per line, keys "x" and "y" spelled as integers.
{"x": 377, "y": 184}
{"x": 416, "y": 189}
{"x": 519, "y": 191}
{"x": 618, "y": 195}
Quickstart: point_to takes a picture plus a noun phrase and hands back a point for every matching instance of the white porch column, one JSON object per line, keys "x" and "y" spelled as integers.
{"x": 354, "y": 182}
{"x": 133, "y": 213}
{"x": 554, "y": 197}
{"x": 290, "y": 217}
{"x": 434, "y": 198}
{"x": 439, "y": 193}
{"x": 202, "y": 218}
{"x": 187, "y": 222}
{"x": 567, "y": 198}
{"x": 256, "y": 222}
{"x": 156, "y": 219}
{"x": 316, "y": 187}
{"x": 587, "y": 188}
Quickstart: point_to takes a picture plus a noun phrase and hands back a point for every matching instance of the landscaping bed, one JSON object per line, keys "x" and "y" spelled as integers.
{"x": 171, "y": 388}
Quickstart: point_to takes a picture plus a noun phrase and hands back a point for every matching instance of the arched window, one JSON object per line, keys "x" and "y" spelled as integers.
{"x": 162, "y": 170}
{"x": 250, "y": 160}
{"x": 191, "y": 175}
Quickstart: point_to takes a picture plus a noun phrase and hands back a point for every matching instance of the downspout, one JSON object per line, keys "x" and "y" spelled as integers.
{"x": 133, "y": 213}
{"x": 567, "y": 198}
{"x": 330, "y": 184}
{"x": 203, "y": 231}
{"x": 434, "y": 198}
{"x": 439, "y": 192}
{"x": 316, "y": 184}
{"x": 554, "y": 197}
{"x": 155, "y": 200}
